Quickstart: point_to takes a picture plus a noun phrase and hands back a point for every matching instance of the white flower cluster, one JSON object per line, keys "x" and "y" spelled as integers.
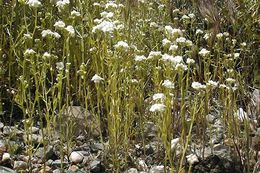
{"x": 29, "y": 52}
{"x": 48, "y": 32}
{"x": 140, "y": 58}
{"x": 212, "y": 84}
{"x": 96, "y": 78}
{"x": 104, "y": 26}
{"x": 158, "y": 96}
{"x": 34, "y": 3}
{"x": 70, "y": 30}
{"x": 204, "y": 52}
{"x": 59, "y": 24}
{"x": 154, "y": 54}
{"x": 168, "y": 84}
{"x": 177, "y": 61}
{"x": 198, "y": 86}
{"x": 122, "y": 45}
{"x": 158, "y": 107}
{"x": 62, "y": 3}
{"x": 172, "y": 32}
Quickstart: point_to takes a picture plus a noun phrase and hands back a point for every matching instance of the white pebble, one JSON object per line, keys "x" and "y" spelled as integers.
{"x": 76, "y": 157}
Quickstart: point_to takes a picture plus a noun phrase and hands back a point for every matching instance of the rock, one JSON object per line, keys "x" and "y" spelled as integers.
{"x": 1, "y": 125}
{"x": 96, "y": 167}
{"x": 57, "y": 171}
{"x": 157, "y": 169}
{"x": 57, "y": 163}
{"x": 20, "y": 166}
{"x": 6, "y": 170}
{"x": 7, "y": 130}
{"x": 35, "y": 130}
{"x": 73, "y": 168}
{"x": 34, "y": 138}
{"x": 141, "y": 165}
{"x": 49, "y": 153}
{"x": 47, "y": 169}
{"x": 216, "y": 164}
{"x": 192, "y": 158}
{"x": 132, "y": 170}
{"x": 174, "y": 143}
{"x": 76, "y": 157}
{"x": 6, "y": 157}
{"x": 150, "y": 130}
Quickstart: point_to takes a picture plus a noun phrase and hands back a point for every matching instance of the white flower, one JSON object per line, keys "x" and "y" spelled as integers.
{"x": 60, "y": 4}
{"x": 198, "y": 31}
{"x": 34, "y": 3}
{"x": 140, "y": 58}
{"x": 219, "y": 35}
{"x": 110, "y": 4}
{"x": 153, "y": 54}
{"x": 5, "y": 157}
{"x": 153, "y": 24}
{"x": 166, "y": 42}
{"x": 243, "y": 44}
{"x": 56, "y": 35}
{"x": 192, "y": 158}
{"x": 226, "y": 34}
{"x": 46, "y": 55}
{"x": 190, "y": 61}
{"x": 168, "y": 84}
{"x": 105, "y": 14}
{"x": 167, "y": 57}
{"x": 188, "y": 42}
{"x": 157, "y": 107}
{"x": 121, "y": 45}
{"x": 172, "y": 31}
{"x": 185, "y": 17}
{"x": 46, "y": 33}
{"x": 173, "y": 47}
{"x": 181, "y": 40}
{"x": 223, "y": 86}
{"x": 204, "y": 52}
{"x": 60, "y": 65}
{"x": 181, "y": 67}
{"x": 75, "y": 13}
{"x": 206, "y": 36}
{"x": 174, "y": 143}
{"x": 104, "y": 26}
{"x": 59, "y": 24}
{"x": 70, "y": 30}
{"x": 177, "y": 59}
{"x": 197, "y": 86}
{"x": 96, "y": 4}
{"x": 236, "y": 55}
{"x": 29, "y": 52}
{"x": 96, "y": 78}
{"x": 212, "y": 83}
{"x": 230, "y": 80}
{"x": 158, "y": 96}
{"x": 191, "y": 15}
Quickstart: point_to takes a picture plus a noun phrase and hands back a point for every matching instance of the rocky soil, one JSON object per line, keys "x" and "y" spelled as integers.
{"x": 88, "y": 154}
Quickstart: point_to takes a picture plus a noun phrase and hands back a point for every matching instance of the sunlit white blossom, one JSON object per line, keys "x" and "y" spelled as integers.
{"x": 48, "y": 32}
{"x": 236, "y": 55}
{"x": 59, "y": 24}
{"x": 168, "y": 84}
{"x": 110, "y": 4}
{"x": 226, "y": 34}
{"x": 190, "y": 61}
{"x": 121, "y": 45}
{"x": 34, "y": 3}
{"x": 158, "y": 96}
{"x": 153, "y": 54}
{"x": 104, "y": 26}
{"x": 70, "y": 30}
{"x": 157, "y": 107}
{"x": 96, "y": 78}
{"x": 197, "y": 86}
{"x": 75, "y": 13}
{"x": 166, "y": 42}
{"x": 61, "y": 4}
{"x": 198, "y": 31}
{"x": 153, "y": 24}
{"x": 46, "y": 55}
{"x": 206, "y": 36}
{"x": 181, "y": 40}
{"x": 172, "y": 31}
{"x": 204, "y": 52}
{"x": 185, "y": 17}
{"x": 167, "y": 57}
{"x": 219, "y": 35}
{"x": 191, "y": 15}
{"x": 173, "y": 47}
{"x": 106, "y": 14}
{"x": 230, "y": 80}
{"x": 29, "y": 52}
{"x": 140, "y": 58}
{"x": 181, "y": 67}
{"x": 212, "y": 83}
{"x": 60, "y": 65}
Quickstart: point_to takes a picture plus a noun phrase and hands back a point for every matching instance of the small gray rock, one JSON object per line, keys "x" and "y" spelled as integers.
{"x": 20, "y": 165}
{"x": 132, "y": 170}
{"x": 6, "y": 170}
{"x": 96, "y": 167}
{"x": 157, "y": 169}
